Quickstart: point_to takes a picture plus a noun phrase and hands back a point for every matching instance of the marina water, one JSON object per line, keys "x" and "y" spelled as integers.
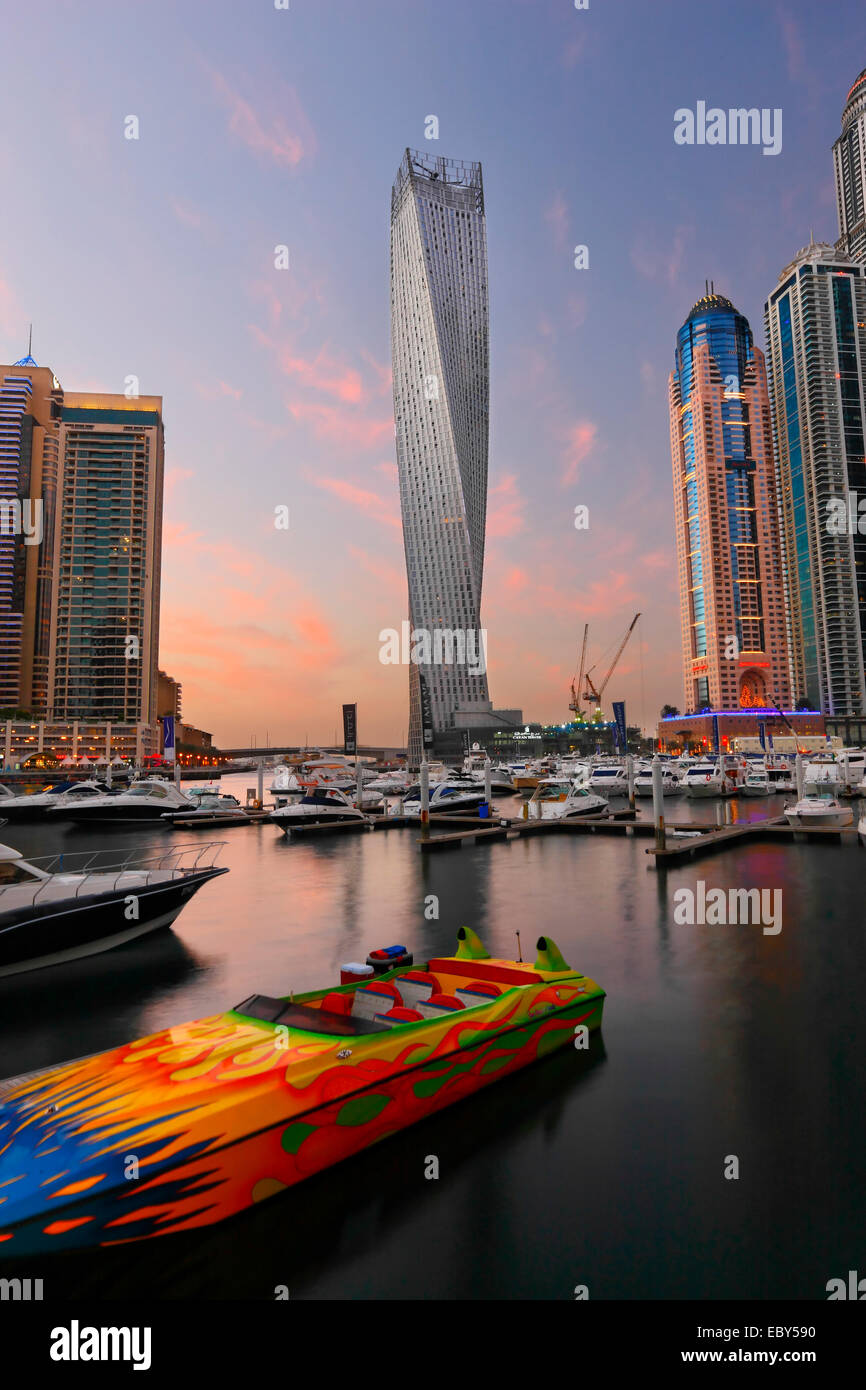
{"x": 604, "y": 1168}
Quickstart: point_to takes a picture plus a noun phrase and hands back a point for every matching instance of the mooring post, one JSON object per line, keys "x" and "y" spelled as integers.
{"x": 487, "y": 778}
{"x": 629, "y": 768}
{"x": 425, "y": 798}
{"x": 658, "y": 803}
{"x": 260, "y": 783}
{"x": 801, "y": 776}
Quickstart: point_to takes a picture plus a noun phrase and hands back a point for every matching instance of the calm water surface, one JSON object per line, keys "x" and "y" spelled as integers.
{"x": 602, "y": 1168}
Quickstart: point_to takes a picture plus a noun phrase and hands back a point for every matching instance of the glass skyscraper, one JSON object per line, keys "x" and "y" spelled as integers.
{"x": 105, "y": 629}
{"x": 816, "y": 337}
{"x": 730, "y": 574}
{"x": 440, "y": 354}
{"x": 29, "y": 441}
{"x": 849, "y": 162}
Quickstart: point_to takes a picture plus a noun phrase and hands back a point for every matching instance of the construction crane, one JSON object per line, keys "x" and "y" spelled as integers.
{"x": 593, "y": 694}
{"x": 575, "y": 699}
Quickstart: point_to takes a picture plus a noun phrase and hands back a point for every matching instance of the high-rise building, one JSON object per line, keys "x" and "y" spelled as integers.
{"x": 849, "y": 161}
{"x": 730, "y": 572}
{"x": 30, "y": 398}
{"x": 816, "y": 342}
{"x": 105, "y": 617}
{"x": 440, "y": 352}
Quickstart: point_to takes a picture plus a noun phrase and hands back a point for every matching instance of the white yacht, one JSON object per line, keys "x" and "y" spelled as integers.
{"x": 560, "y": 798}
{"x": 822, "y": 774}
{"x": 36, "y": 805}
{"x": 609, "y": 779}
{"x": 819, "y": 809}
{"x": 207, "y": 807}
{"x": 643, "y": 781}
{"x": 318, "y": 806}
{"x": 704, "y": 779}
{"x": 144, "y": 803}
{"x": 757, "y": 782}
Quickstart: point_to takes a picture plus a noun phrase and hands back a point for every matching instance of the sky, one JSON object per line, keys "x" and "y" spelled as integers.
{"x": 261, "y": 127}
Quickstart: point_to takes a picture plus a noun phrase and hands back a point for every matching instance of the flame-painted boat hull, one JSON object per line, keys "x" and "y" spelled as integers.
{"x": 192, "y": 1125}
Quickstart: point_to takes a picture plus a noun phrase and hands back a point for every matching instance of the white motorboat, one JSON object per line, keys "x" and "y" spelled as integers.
{"x": 388, "y": 783}
{"x": 643, "y": 781}
{"x": 822, "y": 774}
{"x": 609, "y": 779}
{"x": 144, "y": 803}
{"x": 561, "y": 798}
{"x": 455, "y": 794}
{"x": 704, "y": 779}
{"x": 757, "y": 783}
{"x": 318, "y": 806}
{"x": 208, "y": 808}
{"x": 73, "y": 905}
{"x": 819, "y": 810}
{"x": 36, "y": 805}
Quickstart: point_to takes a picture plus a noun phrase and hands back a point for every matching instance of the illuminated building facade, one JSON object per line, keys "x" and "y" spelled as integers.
{"x": 105, "y": 617}
{"x": 733, "y": 629}
{"x": 816, "y": 343}
{"x": 30, "y": 399}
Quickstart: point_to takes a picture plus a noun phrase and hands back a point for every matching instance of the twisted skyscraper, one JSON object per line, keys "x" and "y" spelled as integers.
{"x": 440, "y": 353}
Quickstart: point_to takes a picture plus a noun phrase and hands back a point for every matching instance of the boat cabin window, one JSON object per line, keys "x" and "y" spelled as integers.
{"x": 147, "y": 791}
{"x": 13, "y": 871}
{"x": 306, "y": 1017}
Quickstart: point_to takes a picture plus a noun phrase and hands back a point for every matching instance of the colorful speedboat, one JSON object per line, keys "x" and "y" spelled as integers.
{"x": 195, "y": 1123}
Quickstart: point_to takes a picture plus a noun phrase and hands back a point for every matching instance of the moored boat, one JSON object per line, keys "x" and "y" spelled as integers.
{"x": 318, "y": 806}
{"x": 144, "y": 803}
{"x": 72, "y": 905}
{"x": 225, "y": 1112}
{"x": 558, "y": 798}
{"x": 817, "y": 810}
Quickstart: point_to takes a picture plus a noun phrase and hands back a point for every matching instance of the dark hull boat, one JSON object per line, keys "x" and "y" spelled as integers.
{"x": 47, "y": 918}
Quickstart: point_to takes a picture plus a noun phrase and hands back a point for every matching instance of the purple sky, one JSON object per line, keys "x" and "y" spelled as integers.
{"x": 261, "y": 127}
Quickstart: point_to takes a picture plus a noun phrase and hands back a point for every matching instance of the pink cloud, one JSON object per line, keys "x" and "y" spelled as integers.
{"x": 349, "y": 431}
{"x": 581, "y": 442}
{"x": 323, "y": 373}
{"x": 556, "y": 216}
{"x": 505, "y": 508}
{"x": 186, "y": 213}
{"x": 661, "y": 263}
{"x": 359, "y": 498}
{"x": 283, "y": 135}
{"x": 219, "y": 389}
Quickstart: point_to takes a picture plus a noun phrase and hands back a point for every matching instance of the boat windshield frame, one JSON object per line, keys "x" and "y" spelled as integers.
{"x": 307, "y": 1019}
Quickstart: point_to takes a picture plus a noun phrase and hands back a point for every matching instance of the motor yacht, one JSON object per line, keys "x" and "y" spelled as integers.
{"x": 60, "y": 796}
{"x": 757, "y": 782}
{"x": 704, "y": 779}
{"x": 144, "y": 803}
{"x": 318, "y": 806}
{"x": 643, "y": 781}
{"x": 609, "y": 779}
{"x": 71, "y": 905}
{"x": 822, "y": 774}
{"x": 819, "y": 809}
{"x": 452, "y": 795}
{"x": 560, "y": 798}
{"x": 208, "y": 808}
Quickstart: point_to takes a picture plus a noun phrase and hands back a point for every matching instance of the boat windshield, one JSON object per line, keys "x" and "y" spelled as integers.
{"x": 305, "y": 1017}
{"x": 13, "y": 871}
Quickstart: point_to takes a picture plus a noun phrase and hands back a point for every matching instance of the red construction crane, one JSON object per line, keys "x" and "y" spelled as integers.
{"x": 591, "y": 693}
